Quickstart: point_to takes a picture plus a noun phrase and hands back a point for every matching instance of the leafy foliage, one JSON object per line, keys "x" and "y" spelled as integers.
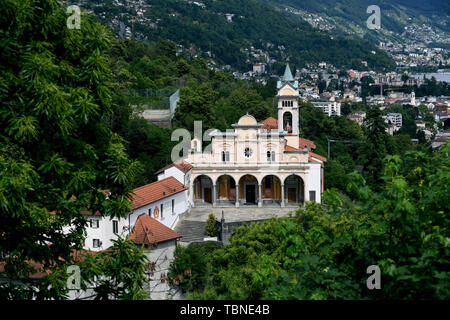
{"x": 118, "y": 273}
{"x": 322, "y": 252}
{"x": 57, "y": 152}
{"x": 210, "y": 226}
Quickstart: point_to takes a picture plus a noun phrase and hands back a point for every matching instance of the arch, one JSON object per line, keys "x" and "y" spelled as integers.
{"x": 287, "y": 121}
{"x": 248, "y": 189}
{"x": 203, "y": 189}
{"x": 226, "y": 186}
{"x": 294, "y": 189}
{"x": 271, "y": 189}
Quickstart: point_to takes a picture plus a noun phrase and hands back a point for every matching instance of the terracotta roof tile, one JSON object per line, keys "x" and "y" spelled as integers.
{"x": 148, "y": 230}
{"x": 289, "y": 149}
{"x": 156, "y": 191}
{"x": 317, "y": 156}
{"x": 182, "y": 165}
{"x": 270, "y": 124}
{"x": 306, "y": 143}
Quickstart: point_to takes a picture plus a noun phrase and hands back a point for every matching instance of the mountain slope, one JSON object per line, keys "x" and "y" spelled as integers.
{"x": 203, "y": 25}
{"x": 349, "y": 17}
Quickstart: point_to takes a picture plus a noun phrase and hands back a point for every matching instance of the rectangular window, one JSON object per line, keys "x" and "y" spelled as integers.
{"x": 95, "y": 223}
{"x": 273, "y": 155}
{"x": 115, "y": 226}
{"x": 96, "y": 243}
{"x": 150, "y": 212}
{"x": 312, "y": 196}
{"x": 227, "y": 156}
{"x": 173, "y": 206}
{"x": 162, "y": 207}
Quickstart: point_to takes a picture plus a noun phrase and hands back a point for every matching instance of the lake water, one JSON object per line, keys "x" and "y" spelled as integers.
{"x": 439, "y": 76}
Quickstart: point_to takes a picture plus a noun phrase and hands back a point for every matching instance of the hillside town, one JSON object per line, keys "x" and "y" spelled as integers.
{"x": 329, "y": 88}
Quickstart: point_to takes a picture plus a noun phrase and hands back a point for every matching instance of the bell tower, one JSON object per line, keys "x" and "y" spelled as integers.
{"x": 413, "y": 98}
{"x": 288, "y": 103}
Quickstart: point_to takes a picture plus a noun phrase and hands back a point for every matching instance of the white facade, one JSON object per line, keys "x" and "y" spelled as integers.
{"x": 102, "y": 230}
{"x": 330, "y": 108}
{"x": 169, "y": 210}
{"x": 394, "y": 119}
{"x": 178, "y": 174}
{"x": 250, "y": 165}
{"x": 104, "y": 234}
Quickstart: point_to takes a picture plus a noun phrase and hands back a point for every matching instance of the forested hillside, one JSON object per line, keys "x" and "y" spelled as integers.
{"x": 350, "y": 16}
{"x": 203, "y": 27}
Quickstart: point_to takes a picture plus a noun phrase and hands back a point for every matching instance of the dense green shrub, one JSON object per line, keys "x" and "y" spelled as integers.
{"x": 323, "y": 251}
{"x": 189, "y": 268}
{"x": 210, "y": 226}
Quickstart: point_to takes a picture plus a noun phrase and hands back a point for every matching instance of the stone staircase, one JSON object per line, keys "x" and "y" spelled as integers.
{"x": 192, "y": 226}
{"x": 191, "y": 231}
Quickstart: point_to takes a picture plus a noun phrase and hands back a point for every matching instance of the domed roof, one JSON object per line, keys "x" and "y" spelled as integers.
{"x": 247, "y": 120}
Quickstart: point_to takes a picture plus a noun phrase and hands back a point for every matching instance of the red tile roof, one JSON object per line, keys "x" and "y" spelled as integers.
{"x": 306, "y": 143}
{"x": 148, "y": 230}
{"x": 317, "y": 156}
{"x": 289, "y": 148}
{"x": 270, "y": 124}
{"x": 182, "y": 165}
{"x": 156, "y": 191}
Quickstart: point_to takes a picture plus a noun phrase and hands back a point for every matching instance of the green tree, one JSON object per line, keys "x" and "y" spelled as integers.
{"x": 58, "y": 154}
{"x": 210, "y": 226}
{"x": 375, "y": 149}
{"x": 323, "y": 251}
{"x": 196, "y": 104}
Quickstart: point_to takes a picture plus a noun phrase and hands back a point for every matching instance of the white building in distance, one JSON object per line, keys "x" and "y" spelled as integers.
{"x": 330, "y": 108}
{"x": 394, "y": 121}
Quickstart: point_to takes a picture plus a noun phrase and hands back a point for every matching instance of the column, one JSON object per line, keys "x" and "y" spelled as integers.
{"x": 237, "y": 194}
{"x": 214, "y": 196}
{"x": 282, "y": 196}
{"x": 191, "y": 192}
{"x": 260, "y": 195}
{"x": 295, "y": 120}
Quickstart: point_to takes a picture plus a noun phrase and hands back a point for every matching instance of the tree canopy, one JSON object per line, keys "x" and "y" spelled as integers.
{"x": 323, "y": 252}
{"x": 58, "y": 155}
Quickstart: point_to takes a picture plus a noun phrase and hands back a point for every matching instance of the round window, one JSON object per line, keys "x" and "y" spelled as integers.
{"x": 248, "y": 152}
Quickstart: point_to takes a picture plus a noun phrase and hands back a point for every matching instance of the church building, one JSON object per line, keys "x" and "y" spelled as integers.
{"x": 253, "y": 164}
{"x": 258, "y": 164}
